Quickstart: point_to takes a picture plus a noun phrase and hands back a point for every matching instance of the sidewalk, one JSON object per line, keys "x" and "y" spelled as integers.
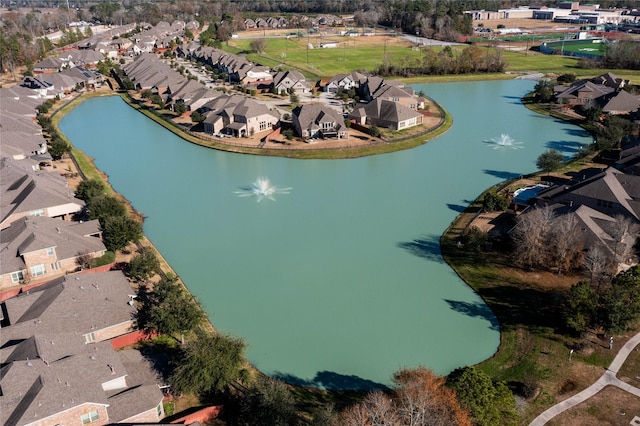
{"x": 608, "y": 378}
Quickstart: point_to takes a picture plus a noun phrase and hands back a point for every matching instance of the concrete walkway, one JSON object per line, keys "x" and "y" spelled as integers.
{"x": 608, "y": 378}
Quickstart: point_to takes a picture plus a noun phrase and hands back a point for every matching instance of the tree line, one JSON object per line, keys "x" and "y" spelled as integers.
{"x": 471, "y": 59}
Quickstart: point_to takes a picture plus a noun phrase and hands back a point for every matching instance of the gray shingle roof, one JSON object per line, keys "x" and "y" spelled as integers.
{"x": 80, "y": 303}
{"x": 69, "y": 239}
{"x": 622, "y": 102}
{"x": 23, "y": 190}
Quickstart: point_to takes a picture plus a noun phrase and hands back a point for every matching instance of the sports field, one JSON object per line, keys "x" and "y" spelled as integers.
{"x": 349, "y": 54}
{"x": 580, "y": 46}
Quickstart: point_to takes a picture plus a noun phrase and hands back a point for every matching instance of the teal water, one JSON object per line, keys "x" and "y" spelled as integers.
{"x": 340, "y": 282}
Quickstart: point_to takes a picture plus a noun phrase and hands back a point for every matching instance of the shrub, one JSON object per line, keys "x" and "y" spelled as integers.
{"x": 493, "y": 202}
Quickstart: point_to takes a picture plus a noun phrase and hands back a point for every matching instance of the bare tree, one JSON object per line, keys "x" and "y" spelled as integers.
{"x": 420, "y": 398}
{"x": 531, "y": 237}
{"x": 624, "y": 233}
{"x": 565, "y": 247}
{"x": 258, "y": 45}
{"x": 423, "y": 399}
{"x": 377, "y": 409}
{"x": 599, "y": 262}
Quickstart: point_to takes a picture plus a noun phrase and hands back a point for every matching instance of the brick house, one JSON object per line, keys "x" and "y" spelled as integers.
{"x": 58, "y": 368}
{"x": 41, "y": 248}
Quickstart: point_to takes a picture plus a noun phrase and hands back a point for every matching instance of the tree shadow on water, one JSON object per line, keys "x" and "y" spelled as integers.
{"x": 502, "y": 174}
{"x": 332, "y": 381}
{"x": 426, "y": 247}
{"x": 580, "y": 132}
{"x": 513, "y": 100}
{"x": 475, "y": 310}
{"x": 564, "y": 146}
{"x": 456, "y": 207}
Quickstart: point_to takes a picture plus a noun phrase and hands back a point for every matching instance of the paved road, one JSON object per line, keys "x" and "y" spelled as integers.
{"x": 423, "y": 41}
{"x": 608, "y": 378}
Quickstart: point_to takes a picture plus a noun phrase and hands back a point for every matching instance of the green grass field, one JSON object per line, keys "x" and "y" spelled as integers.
{"x": 352, "y": 53}
{"x": 579, "y": 46}
{"x": 367, "y": 53}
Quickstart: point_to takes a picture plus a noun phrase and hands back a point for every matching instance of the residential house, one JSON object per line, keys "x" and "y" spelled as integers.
{"x": 63, "y": 81}
{"x": 345, "y": 81}
{"x": 41, "y": 86}
{"x": 49, "y": 65}
{"x": 591, "y": 92}
{"x": 85, "y": 58}
{"x": 622, "y": 103}
{"x": 148, "y": 72}
{"x": 376, "y": 87}
{"x": 287, "y": 81}
{"x": 261, "y": 23}
{"x": 191, "y": 93}
{"x": 57, "y": 365}
{"x": 400, "y": 95}
{"x": 611, "y": 192}
{"x": 610, "y": 80}
{"x": 629, "y": 159}
{"x": 237, "y": 116}
{"x": 86, "y": 78}
{"x": 313, "y": 121}
{"x": 385, "y": 113}
{"x": 24, "y": 192}
{"x": 583, "y": 93}
{"x": 20, "y": 134}
{"x": 254, "y": 75}
{"x": 42, "y": 248}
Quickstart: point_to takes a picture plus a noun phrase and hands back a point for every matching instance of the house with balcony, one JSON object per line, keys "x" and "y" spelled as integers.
{"x": 385, "y": 113}
{"x": 237, "y": 116}
{"x": 317, "y": 121}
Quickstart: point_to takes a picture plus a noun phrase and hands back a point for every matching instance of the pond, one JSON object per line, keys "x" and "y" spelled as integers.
{"x": 333, "y": 274}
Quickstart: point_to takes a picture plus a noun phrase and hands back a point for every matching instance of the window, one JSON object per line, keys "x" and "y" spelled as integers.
{"x": 89, "y": 338}
{"x": 90, "y": 417}
{"x": 37, "y": 270}
{"x": 327, "y": 125}
{"x": 263, "y": 125}
{"x": 16, "y": 277}
{"x": 55, "y": 266}
{"x": 50, "y": 251}
{"x": 603, "y": 203}
{"x": 39, "y": 212}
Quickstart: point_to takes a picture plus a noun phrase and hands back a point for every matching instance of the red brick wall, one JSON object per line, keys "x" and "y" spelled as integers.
{"x": 204, "y": 415}
{"x": 130, "y": 338}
